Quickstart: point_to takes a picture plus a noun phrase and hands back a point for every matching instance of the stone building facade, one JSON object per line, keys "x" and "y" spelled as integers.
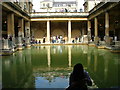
{"x": 61, "y": 6}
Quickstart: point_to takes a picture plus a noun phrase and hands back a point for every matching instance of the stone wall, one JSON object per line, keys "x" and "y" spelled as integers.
{"x": 57, "y": 28}
{"x": 39, "y": 30}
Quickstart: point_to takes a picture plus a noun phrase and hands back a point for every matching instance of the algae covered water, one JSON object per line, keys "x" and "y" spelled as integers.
{"x": 50, "y": 66}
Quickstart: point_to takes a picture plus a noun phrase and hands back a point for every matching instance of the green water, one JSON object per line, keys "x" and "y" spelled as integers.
{"x": 50, "y": 67}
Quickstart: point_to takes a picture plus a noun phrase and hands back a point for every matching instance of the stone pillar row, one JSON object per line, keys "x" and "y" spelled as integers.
{"x": 48, "y": 32}
{"x": 10, "y": 42}
{"x": 96, "y": 38}
{"x": 11, "y": 32}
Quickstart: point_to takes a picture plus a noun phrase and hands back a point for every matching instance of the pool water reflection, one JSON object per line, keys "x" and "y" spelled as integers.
{"x": 50, "y": 66}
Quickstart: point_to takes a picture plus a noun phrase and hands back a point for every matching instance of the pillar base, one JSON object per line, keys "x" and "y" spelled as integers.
{"x": 107, "y": 40}
{"x": 14, "y": 49}
{"x": 96, "y": 40}
{"x": 28, "y": 46}
{"x": 47, "y": 42}
{"x": 20, "y": 47}
{"x": 89, "y": 39}
{"x": 85, "y": 39}
{"x": 69, "y": 42}
{"x": 6, "y": 52}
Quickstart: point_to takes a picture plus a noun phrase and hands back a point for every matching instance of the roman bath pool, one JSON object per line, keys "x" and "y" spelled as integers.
{"x": 50, "y": 66}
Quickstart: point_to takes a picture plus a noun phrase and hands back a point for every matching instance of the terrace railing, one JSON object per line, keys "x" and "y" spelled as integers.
{"x": 59, "y": 14}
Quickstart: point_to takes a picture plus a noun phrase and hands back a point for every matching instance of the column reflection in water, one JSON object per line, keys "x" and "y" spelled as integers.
{"x": 89, "y": 58}
{"x": 105, "y": 69}
{"x": 55, "y": 74}
{"x": 84, "y": 49}
{"x": 95, "y": 60}
{"x": 108, "y": 57}
{"x": 48, "y": 55}
{"x": 9, "y": 72}
{"x": 69, "y": 56}
{"x": 17, "y": 71}
{"x": 29, "y": 73}
{"x": 0, "y": 71}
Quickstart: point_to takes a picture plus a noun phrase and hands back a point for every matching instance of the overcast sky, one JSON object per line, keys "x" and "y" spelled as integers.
{"x": 36, "y": 3}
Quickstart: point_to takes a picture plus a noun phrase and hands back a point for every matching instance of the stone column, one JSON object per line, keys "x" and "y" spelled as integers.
{"x": 107, "y": 38}
{"x": 48, "y": 32}
{"x": 10, "y": 30}
{"x": 20, "y": 33}
{"x": 27, "y": 33}
{"x": 96, "y": 39}
{"x": 89, "y": 30}
{"x": 69, "y": 31}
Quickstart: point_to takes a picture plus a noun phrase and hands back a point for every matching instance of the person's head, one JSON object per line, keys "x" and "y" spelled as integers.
{"x": 78, "y": 71}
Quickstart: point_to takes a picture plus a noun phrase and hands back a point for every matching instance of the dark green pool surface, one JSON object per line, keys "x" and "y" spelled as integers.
{"x": 50, "y": 67}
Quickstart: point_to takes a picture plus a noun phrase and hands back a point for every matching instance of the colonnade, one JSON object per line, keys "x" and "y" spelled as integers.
{"x": 11, "y": 30}
{"x": 107, "y": 28}
{"x": 48, "y": 31}
{"x": 68, "y": 29}
{"x": 89, "y": 27}
{"x": 23, "y": 33}
{"x": 96, "y": 37}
